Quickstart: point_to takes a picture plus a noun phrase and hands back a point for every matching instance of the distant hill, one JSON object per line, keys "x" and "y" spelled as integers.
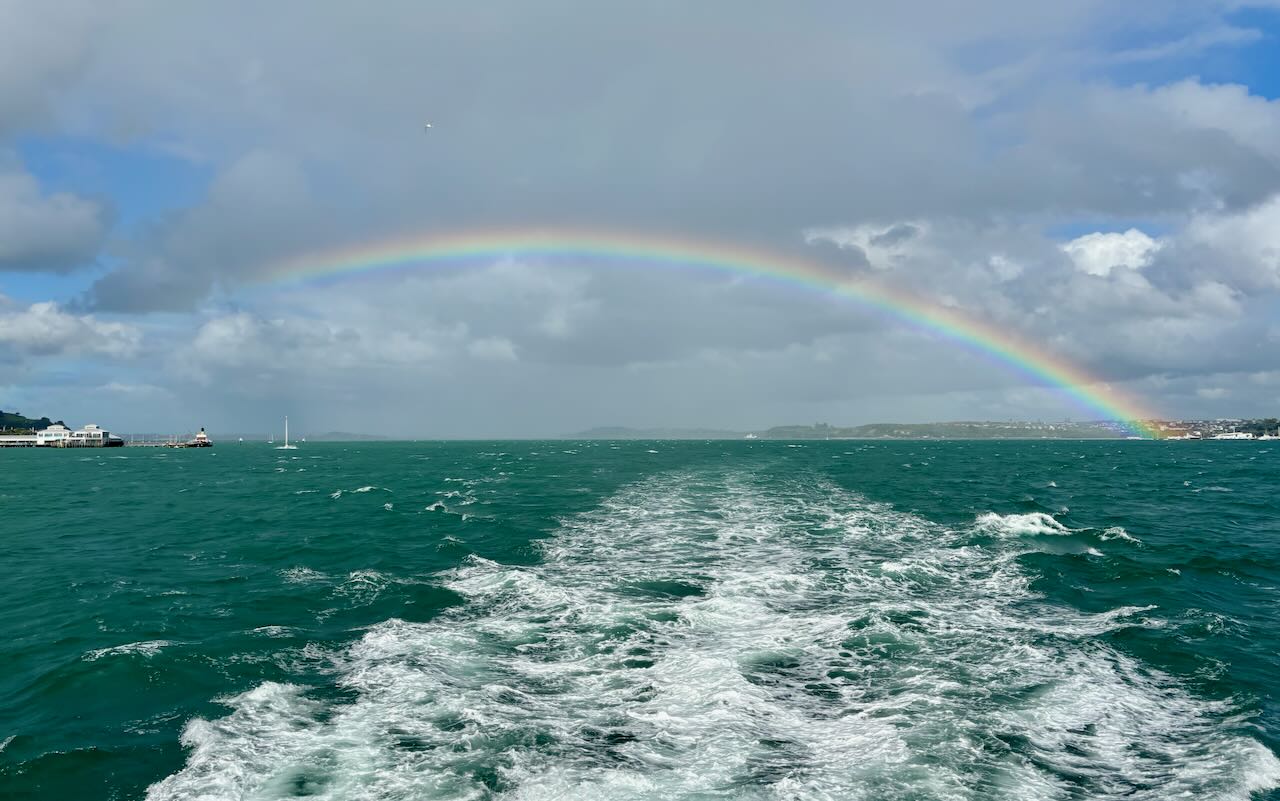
{"x": 622, "y": 432}
{"x": 345, "y": 436}
{"x": 953, "y": 430}
{"x": 12, "y": 421}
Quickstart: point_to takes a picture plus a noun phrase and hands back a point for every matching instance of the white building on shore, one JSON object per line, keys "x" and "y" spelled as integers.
{"x": 59, "y": 436}
{"x": 52, "y": 436}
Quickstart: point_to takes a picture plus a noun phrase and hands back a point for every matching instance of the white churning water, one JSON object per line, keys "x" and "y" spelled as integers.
{"x": 717, "y": 636}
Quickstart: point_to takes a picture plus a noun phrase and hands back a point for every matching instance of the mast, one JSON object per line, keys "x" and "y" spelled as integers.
{"x": 286, "y": 430}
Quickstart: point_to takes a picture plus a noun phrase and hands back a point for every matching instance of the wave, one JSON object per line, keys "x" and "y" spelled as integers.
{"x": 1117, "y": 533}
{"x": 714, "y": 635}
{"x": 1020, "y": 524}
{"x": 274, "y": 631}
{"x": 146, "y": 648}
{"x": 302, "y": 575}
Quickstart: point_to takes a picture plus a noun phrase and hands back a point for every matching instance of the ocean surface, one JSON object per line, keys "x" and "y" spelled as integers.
{"x": 642, "y": 620}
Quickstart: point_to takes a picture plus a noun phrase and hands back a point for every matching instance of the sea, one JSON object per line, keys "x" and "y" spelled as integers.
{"x": 603, "y": 620}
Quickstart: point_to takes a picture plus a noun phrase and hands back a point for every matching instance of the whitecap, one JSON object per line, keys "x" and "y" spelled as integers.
{"x": 1020, "y": 524}
{"x": 302, "y": 575}
{"x": 273, "y": 631}
{"x": 1117, "y": 533}
{"x": 147, "y": 648}
{"x": 363, "y": 586}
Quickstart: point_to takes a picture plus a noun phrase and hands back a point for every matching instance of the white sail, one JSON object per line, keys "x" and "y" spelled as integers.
{"x": 286, "y": 446}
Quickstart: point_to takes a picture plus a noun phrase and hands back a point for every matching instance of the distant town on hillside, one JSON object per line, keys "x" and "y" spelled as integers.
{"x": 1097, "y": 429}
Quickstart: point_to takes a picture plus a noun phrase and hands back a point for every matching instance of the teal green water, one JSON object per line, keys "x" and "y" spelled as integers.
{"x": 642, "y": 620}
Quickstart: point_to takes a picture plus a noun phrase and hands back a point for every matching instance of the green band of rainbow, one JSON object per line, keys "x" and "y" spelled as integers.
{"x": 1084, "y": 390}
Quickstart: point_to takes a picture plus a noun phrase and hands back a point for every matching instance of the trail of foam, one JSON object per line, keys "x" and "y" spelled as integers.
{"x": 713, "y": 636}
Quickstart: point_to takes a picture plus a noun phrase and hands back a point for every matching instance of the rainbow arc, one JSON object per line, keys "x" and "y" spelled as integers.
{"x": 1041, "y": 366}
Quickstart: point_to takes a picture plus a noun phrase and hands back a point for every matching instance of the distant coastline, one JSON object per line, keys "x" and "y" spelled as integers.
{"x": 15, "y": 423}
{"x": 955, "y": 430}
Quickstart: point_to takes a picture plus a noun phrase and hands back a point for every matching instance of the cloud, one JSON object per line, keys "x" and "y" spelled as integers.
{"x": 924, "y": 146}
{"x": 283, "y": 346}
{"x": 877, "y": 246}
{"x": 44, "y": 48}
{"x": 259, "y": 208}
{"x": 627, "y": 119}
{"x": 493, "y": 348}
{"x": 1242, "y": 248}
{"x": 1098, "y": 253}
{"x": 46, "y": 232}
{"x": 44, "y": 329}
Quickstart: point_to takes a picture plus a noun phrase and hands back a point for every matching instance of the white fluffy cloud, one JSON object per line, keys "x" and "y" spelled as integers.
{"x": 1099, "y": 253}
{"x": 44, "y": 329}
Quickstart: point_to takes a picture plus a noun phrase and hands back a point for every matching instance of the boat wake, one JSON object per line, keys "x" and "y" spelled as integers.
{"x": 715, "y": 635}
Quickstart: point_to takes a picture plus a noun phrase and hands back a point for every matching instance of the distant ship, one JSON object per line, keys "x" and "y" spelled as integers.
{"x": 200, "y": 440}
{"x": 286, "y": 446}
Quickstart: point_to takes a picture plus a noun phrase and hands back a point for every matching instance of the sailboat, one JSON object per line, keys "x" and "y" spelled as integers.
{"x": 286, "y": 446}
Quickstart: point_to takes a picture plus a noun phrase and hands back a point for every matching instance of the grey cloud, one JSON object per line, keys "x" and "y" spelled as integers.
{"x": 47, "y": 232}
{"x": 894, "y": 235}
{"x": 586, "y": 115}
{"x": 929, "y": 145}
{"x": 261, "y": 208}
{"x": 44, "y": 48}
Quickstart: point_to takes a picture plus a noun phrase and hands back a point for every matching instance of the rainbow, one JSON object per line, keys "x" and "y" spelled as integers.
{"x": 452, "y": 249}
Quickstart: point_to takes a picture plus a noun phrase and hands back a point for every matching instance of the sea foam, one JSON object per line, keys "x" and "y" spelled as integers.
{"x": 701, "y": 636}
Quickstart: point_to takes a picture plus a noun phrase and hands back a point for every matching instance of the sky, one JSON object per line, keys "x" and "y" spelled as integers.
{"x": 1099, "y": 180}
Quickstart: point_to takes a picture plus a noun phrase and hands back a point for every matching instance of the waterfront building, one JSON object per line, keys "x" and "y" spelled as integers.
{"x": 53, "y": 436}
